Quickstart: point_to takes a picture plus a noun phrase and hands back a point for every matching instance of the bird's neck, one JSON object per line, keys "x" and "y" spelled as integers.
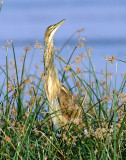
{"x": 49, "y": 66}
{"x": 52, "y": 82}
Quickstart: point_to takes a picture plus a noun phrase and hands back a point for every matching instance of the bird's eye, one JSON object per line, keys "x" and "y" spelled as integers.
{"x": 51, "y": 27}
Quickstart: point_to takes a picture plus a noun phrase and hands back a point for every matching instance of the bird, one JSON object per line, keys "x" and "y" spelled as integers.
{"x": 64, "y": 110}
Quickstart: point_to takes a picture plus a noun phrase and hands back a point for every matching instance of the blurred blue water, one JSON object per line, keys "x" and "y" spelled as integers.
{"x": 104, "y": 23}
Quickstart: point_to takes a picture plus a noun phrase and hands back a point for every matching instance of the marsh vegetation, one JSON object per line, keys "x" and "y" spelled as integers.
{"x": 26, "y": 130}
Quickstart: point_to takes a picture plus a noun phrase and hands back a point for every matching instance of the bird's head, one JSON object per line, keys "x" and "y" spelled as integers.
{"x": 50, "y": 32}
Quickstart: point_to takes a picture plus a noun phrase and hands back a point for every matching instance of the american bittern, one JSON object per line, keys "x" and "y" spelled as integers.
{"x": 62, "y": 106}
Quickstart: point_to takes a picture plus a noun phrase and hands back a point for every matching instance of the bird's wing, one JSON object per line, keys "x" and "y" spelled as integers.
{"x": 69, "y": 108}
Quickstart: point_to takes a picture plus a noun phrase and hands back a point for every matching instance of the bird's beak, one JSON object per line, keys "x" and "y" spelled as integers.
{"x": 56, "y": 26}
